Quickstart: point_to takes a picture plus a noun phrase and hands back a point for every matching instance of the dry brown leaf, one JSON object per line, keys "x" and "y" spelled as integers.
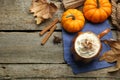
{"x": 109, "y": 56}
{"x": 113, "y": 43}
{"x": 114, "y": 69}
{"x": 42, "y": 10}
{"x": 113, "y": 54}
{"x": 117, "y": 67}
{"x": 116, "y": 51}
{"x": 118, "y": 61}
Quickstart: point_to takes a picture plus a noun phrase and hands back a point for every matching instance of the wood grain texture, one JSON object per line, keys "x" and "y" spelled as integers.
{"x": 25, "y": 47}
{"x": 68, "y": 4}
{"x": 49, "y": 71}
{"x": 118, "y": 35}
{"x": 62, "y": 79}
{"x": 69, "y": 79}
{"x": 114, "y": 33}
{"x": 15, "y": 15}
{"x": 23, "y": 58}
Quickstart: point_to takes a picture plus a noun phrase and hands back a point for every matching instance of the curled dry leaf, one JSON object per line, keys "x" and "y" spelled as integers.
{"x": 42, "y": 10}
{"x": 113, "y": 43}
{"x": 109, "y": 56}
{"x": 113, "y": 54}
{"x": 118, "y": 63}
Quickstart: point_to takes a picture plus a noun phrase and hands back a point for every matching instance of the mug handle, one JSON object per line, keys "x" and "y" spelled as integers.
{"x": 104, "y": 33}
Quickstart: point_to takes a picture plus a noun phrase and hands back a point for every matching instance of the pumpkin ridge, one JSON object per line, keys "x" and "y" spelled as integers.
{"x": 90, "y": 2}
{"x": 101, "y": 17}
{"x": 92, "y": 18}
{"x": 106, "y": 11}
{"x": 67, "y": 23}
{"x": 103, "y": 2}
{"x": 81, "y": 23}
{"x": 105, "y": 14}
{"x": 73, "y": 28}
{"x": 106, "y": 4}
{"x": 74, "y": 25}
{"x": 80, "y": 18}
{"x": 92, "y": 14}
{"x": 88, "y": 7}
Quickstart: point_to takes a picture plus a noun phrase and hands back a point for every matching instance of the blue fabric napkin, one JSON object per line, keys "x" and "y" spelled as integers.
{"x": 79, "y": 67}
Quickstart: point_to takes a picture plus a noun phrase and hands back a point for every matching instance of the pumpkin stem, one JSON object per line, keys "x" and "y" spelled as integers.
{"x": 98, "y": 4}
{"x": 71, "y": 15}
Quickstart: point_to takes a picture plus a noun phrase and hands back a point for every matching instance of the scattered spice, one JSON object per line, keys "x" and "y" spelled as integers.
{"x": 87, "y": 44}
{"x": 112, "y": 55}
{"x": 3, "y": 67}
{"x": 42, "y": 10}
{"x": 57, "y": 40}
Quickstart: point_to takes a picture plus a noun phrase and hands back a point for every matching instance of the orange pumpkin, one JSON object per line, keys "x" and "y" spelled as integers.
{"x": 97, "y": 11}
{"x": 72, "y": 20}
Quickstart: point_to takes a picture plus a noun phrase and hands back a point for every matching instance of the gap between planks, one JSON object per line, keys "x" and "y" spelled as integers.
{"x": 22, "y": 47}
{"x": 50, "y": 71}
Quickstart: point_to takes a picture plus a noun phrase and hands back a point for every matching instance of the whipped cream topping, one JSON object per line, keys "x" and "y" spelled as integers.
{"x": 87, "y": 45}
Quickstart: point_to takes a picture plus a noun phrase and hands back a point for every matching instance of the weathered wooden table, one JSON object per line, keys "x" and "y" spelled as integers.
{"x": 23, "y": 58}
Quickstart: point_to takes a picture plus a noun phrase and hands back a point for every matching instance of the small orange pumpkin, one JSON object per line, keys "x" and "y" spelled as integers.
{"x": 97, "y": 11}
{"x": 72, "y": 20}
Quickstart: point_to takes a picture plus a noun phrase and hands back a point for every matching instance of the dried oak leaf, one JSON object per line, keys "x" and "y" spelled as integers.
{"x": 42, "y": 10}
{"x": 109, "y": 56}
{"x": 113, "y": 43}
{"x": 112, "y": 55}
{"x": 117, "y": 67}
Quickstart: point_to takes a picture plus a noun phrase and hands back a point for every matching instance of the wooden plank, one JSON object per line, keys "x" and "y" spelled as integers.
{"x": 15, "y": 15}
{"x": 89, "y": 78}
{"x": 107, "y": 78}
{"x": 118, "y": 35}
{"x": 72, "y": 79}
{"x": 49, "y": 71}
{"x": 114, "y": 33}
{"x": 23, "y": 47}
{"x": 60, "y": 79}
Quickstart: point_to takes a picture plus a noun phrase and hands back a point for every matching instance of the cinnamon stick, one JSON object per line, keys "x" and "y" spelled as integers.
{"x": 48, "y": 35}
{"x": 48, "y": 27}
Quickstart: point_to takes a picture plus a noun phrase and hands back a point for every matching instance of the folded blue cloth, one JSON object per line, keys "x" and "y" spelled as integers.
{"x": 78, "y": 67}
